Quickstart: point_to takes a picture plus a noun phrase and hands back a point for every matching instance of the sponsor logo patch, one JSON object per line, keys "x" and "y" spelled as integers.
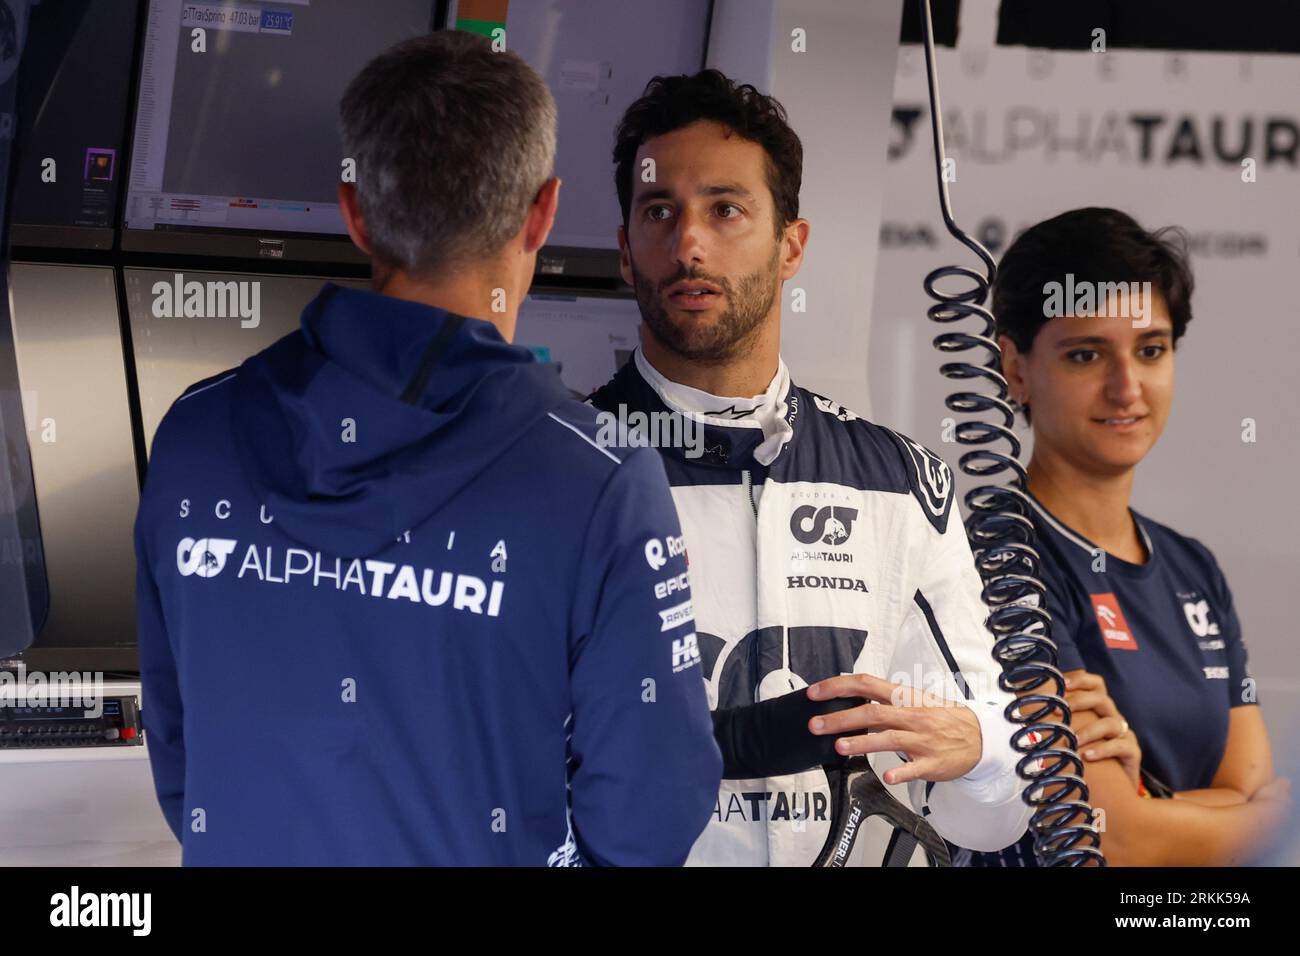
{"x": 658, "y": 552}
{"x": 686, "y": 653}
{"x": 673, "y": 585}
{"x": 676, "y": 616}
{"x": 825, "y": 583}
{"x": 1114, "y": 629}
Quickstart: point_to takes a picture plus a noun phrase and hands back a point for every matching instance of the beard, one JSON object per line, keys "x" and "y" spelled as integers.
{"x": 730, "y": 335}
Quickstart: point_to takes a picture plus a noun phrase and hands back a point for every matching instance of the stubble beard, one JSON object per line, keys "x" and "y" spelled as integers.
{"x": 732, "y": 335}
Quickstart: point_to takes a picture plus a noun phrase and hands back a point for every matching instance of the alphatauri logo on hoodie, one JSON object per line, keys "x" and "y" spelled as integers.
{"x": 206, "y": 558}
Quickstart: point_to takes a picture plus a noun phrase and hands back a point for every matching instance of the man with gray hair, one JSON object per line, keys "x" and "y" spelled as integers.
{"x": 396, "y": 604}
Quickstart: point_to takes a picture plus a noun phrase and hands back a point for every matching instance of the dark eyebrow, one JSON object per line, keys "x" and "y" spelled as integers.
{"x": 1101, "y": 340}
{"x": 727, "y": 189}
{"x": 719, "y": 189}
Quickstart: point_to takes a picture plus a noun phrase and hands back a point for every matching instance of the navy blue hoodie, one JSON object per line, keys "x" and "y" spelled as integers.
{"x": 398, "y": 606}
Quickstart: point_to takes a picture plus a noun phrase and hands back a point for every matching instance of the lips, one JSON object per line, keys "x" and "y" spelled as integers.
{"x": 693, "y": 297}
{"x": 694, "y": 303}
{"x": 692, "y": 285}
{"x": 1121, "y": 423}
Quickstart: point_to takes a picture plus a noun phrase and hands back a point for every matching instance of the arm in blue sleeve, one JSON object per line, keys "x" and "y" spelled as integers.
{"x": 161, "y": 705}
{"x": 645, "y": 766}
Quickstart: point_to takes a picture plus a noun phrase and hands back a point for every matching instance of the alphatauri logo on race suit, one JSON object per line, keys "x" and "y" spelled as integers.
{"x": 834, "y": 408}
{"x": 770, "y": 805}
{"x": 830, "y": 524}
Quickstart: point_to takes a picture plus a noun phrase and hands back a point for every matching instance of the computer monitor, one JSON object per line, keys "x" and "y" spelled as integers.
{"x": 71, "y": 122}
{"x": 173, "y": 352}
{"x": 596, "y": 56}
{"x": 236, "y": 150}
{"x": 588, "y": 336}
{"x": 78, "y": 424}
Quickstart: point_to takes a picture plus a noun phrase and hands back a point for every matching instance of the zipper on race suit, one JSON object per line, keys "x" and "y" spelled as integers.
{"x": 747, "y": 483}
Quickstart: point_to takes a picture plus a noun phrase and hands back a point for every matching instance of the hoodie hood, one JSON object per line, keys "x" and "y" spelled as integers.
{"x": 375, "y": 414}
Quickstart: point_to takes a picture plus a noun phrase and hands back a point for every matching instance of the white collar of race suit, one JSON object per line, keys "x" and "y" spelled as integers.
{"x": 766, "y": 411}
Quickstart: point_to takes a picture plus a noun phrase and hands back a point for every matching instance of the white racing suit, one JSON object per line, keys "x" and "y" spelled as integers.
{"x": 821, "y": 544}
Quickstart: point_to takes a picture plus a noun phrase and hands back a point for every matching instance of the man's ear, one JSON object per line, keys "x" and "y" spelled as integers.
{"x": 1013, "y": 368}
{"x": 352, "y": 218}
{"x": 793, "y": 243}
{"x": 541, "y": 215}
{"x": 624, "y": 256}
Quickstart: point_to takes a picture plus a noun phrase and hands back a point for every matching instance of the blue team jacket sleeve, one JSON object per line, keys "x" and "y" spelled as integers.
{"x": 644, "y": 765}
{"x": 161, "y": 704}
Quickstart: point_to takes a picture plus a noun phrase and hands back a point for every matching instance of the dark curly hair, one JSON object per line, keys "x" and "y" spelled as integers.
{"x": 670, "y": 103}
{"x": 1096, "y": 245}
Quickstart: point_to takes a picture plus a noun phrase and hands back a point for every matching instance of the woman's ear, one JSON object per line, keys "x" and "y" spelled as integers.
{"x": 1013, "y": 369}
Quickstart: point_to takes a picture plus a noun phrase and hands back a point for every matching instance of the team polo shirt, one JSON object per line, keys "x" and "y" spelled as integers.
{"x": 1163, "y": 634}
{"x": 1165, "y": 637}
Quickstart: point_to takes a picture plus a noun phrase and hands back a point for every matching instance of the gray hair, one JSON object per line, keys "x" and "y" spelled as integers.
{"x": 451, "y": 141}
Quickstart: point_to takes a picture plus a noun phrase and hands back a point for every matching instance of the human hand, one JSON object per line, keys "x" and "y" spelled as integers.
{"x": 941, "y": 738}
{"x": 1110, "y": 734}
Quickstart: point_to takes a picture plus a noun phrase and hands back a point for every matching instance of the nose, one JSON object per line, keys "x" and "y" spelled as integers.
{"x": 1123, "y": 386}
{"x": 688, "y": 239}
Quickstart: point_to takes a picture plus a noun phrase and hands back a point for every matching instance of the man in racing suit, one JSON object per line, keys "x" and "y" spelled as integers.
{"x": 819, "y": 544}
